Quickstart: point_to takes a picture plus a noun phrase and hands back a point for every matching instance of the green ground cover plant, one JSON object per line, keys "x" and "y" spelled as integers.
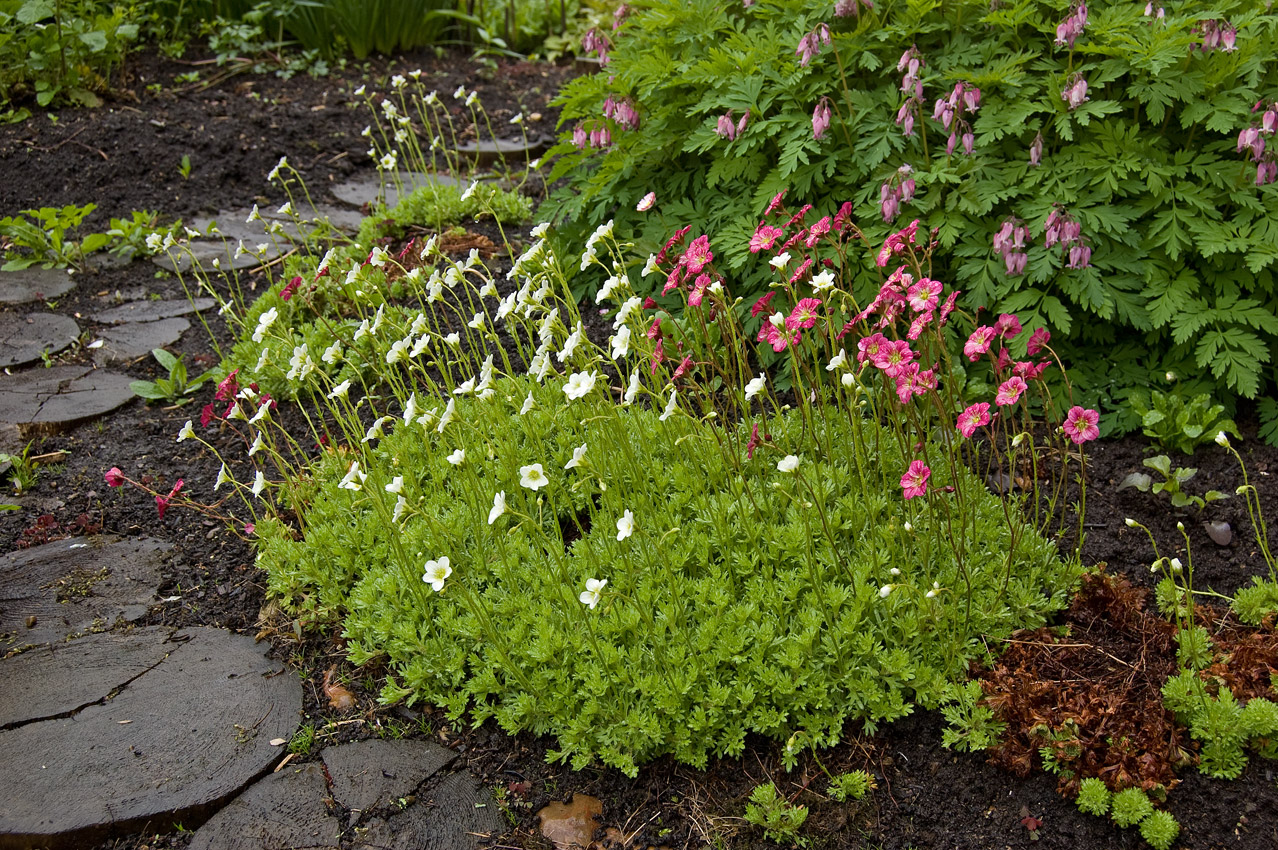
{"x": 640, "y": 547}
{"x": 1103, "y": 172}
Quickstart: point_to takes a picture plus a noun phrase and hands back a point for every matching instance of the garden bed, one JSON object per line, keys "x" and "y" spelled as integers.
{"x": 126, "y": 156}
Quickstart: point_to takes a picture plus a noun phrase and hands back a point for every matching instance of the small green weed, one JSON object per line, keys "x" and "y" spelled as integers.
{"x": 779, "y": 819}
{"x": 1171, "y": 483}
{"x": 175, "y": 387}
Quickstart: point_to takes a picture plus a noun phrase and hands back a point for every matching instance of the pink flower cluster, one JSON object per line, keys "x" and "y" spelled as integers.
{"x": 1075, "y": 94}
{"x": 596, "y": 42}
{"x": 965, "y": 100}
{"x": 1252, "y": 140}
{"x": 622, "y": 111}
{"x": 810, "y": 44}
{"x": 845, "y": 8}
{"x": 911, "y": 62}
{"x": 1009, "y": 241}
{"x": 599, "y": 137}
{"x": 1153, "y": 12}
{"x": 1072, "y": 27}
{"x": 1060, "y": 229}
{"x": 821, "y": 118}
{"x": 728, "y": 128}
{"x": 897, "y": 190}
{"x": 782, "y": 331}
{"x": 1216, "y": 35}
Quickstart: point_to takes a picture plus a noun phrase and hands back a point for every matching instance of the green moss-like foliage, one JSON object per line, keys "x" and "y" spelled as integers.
{"x": 1159, "y": 829}
{"x": 440, "y": 206}
{"x": 1130, "y": 807}
{"x": 746, "y": 600}
{"x": 1093, "y": 797}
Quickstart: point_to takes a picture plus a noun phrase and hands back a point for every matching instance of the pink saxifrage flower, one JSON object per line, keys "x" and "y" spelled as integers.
{"x": 914, "y": 481}
{"x": 979, "y": 342}
{"x": 1038, "y": 341}
{"x": 976, "y": 416}
{"x": 765, "y": 238}
{"x": 114, "y": 477}
{"x": 804, "y": 314}
{"x": 1010, "y": 391}
{"x": 1081, "y": 424}
{"x": 646, "y": 203}
{"x": 698, "y": 255}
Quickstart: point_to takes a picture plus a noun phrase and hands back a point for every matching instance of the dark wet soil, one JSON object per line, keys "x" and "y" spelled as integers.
{"x": 126, "y": 156}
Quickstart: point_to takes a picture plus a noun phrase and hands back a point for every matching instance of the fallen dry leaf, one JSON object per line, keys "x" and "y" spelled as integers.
{"x": 338, "y": 697}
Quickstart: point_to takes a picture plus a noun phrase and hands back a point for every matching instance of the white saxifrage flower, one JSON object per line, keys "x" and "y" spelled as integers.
{"x": 457, "y": 457}
{"x": 436, "y": 573}
{"x": 789, "y": 463}
{"x": 186, "y": 432}
{"x": 499, "y": 507}
{"x": 594, "y": 589}
{"x": 354, "y": 478}
{"x": 396, "y": 486}
{"x": 533, "y": 476}
{"x": 577, "y": 455}
{"x": 755, "y": 386}
{"x": 259, "y": 483}
{"x": 625, "y": 526}
{"x": 579, "y": 384}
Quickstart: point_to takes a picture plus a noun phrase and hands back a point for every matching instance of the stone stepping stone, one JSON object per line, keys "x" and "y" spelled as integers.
{"x": 205, "y": 251}
{"x": 132, "y": 340}
{"x": 485, "y": 152}
{"x": 151, "y": 311}
{"x": 456, "y": 813}
{"x": 372, "y": 773}
{"x": 24, "y": 338}
{"x": 153, "y": 750}
{"x": 28, "y": 285}
{"x": 339, "y": 218}
{"x": 62, "y": 588}
{"x": 56, "y": 399}
{"x": 284, "y": 811}
{"x": 367, "y": 190}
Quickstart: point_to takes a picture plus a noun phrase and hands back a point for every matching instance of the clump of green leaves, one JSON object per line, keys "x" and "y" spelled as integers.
{"x": 1171, "y": 483}
{"x": 438, "y": 206}
{"x": 1159, "y": 829}
{"x": 1182, "y": 241}
{"x": 1256, "y": 601}
{"x": 1221, "y": 723}
{"x": 61, "y": 51}
{"x": 971, "y": 724}
{"x": 779, "y": 819}
{"x": 46, "y": 238}
{"x": 850, "y": 786}
{"x": 22, "y": 471}
{"x": 129, "y": 235}
{"x": 1175, "y": 423}
{"x": 1130, "y": 806}
{"x": 176, "y": 388}
{"x": 1093, "y": 797}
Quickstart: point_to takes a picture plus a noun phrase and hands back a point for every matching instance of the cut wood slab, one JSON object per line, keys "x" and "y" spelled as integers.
{"x": 26, "y": 338}
{"x": 29, "y": 285}
{"x": 50, "y": 592}
{"x": 456, "y": 813}
{"x": 151, "y": 311}
{"x": 54, "y": 400}
{"x": 284, "y": 811}
{"x": 168, "y": 746}
{"x": 372, "y": 773}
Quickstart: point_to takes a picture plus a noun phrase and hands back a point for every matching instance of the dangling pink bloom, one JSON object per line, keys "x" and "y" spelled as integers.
{"x": 1009, "y": 392}
{"x": 889, "y": 201}
{"x": 579, "y": 137}
{"x": 1081, "y": 424}
{"x": 754, "y": 441}
{"x": 1075, "y": 94}
{"x": 914, "y": 481}
{"x": 289, "y": 288}
{"x": 1080, "y": 256}
{"x": 1014, "y": 262}
{"x": 114, "y": 477}
{"x": 1036, "y": 150}
{"x": 820, "y": 118}
{"x": 726, "y": 128}
{"x": 228, "y": 387}
{"x": 979, "y": 342}
{"x": 658, "y": 355}
{"x": 1008, "y": 326}
{"x": 969, "y": 142}
{"x": 682, "y": 368}
{"x": 1038, "y": 341}
{"x": 654, "y": 330}
{"x": 976, "y": 416}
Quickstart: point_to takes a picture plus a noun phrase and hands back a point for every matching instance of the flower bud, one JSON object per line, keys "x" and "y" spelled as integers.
{"x": 1221, "y": 439}
{"x": 1131, "y": 523}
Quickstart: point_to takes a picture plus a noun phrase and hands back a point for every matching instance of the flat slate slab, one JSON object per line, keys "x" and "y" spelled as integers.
{"x": 205, "y": 251}
{"x": 368, "y": 190}
{"x": 53, "y": 400}
{"x": 50, "y": 592}
{"x": 29, "y": 285}
{"x": 485, "y": 152}
{"x": 131, "y": 340}
{"x": 25, "y": 338}
{"x": 454, "y": 814}
{"x": 168, "y": 746}
{"x": 372, "y": 773}
{"x": 284, "y": 811}
{"x": 151, "y": 311}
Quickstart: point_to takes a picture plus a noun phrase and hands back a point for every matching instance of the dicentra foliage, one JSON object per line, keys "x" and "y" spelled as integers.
{"x": 1144, "y": 160}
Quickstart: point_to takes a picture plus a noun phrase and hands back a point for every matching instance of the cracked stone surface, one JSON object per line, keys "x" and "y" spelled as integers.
{"x": 29, "y": 285}
{"x": 51, "y": 400}
{"x": 131, "y": 340}
{"x": 284, "y": 811}
{"x": 151, "y": 311}
{"x": 149, "y": 749}
{"x": 62, "y": 588}
{"x": 366, "y": 190}
{"x": 24, "y": 338}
